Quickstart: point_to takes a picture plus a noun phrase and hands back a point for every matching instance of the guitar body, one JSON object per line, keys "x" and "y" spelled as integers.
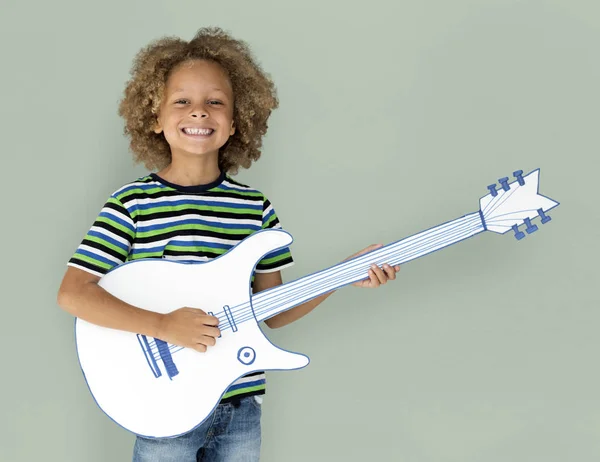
{"x": 137, "y": 386}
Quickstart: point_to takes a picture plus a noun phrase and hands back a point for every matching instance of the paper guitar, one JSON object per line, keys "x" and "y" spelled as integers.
{"x": 155, "y": 389}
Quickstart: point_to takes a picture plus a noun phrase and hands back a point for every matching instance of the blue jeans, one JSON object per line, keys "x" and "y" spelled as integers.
{"x": 230, "y": 434}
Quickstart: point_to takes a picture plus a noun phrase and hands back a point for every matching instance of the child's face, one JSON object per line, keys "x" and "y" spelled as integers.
{"x": 197, "y": 94}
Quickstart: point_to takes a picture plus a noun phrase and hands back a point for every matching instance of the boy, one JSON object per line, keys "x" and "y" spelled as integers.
{"x": 196, "y": 111}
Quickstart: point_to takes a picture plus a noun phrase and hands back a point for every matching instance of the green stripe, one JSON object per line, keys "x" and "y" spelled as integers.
{"x": 98, "y": 240}
{"x": 196, "y": 248}
{"x": 268, "y": 261}
{"x": 93, "y": 261}
{"x": 115, "y": 225}
{"x": 271, "y": 220}
{"x": 186, "y": 227}
{"x": 244, "y": 390}
{"x": 144, "y": 255}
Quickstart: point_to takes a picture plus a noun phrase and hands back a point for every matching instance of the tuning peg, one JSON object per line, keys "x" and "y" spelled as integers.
{"x": 519, "y": 176}
{"x": 518, "y": 234}
{"x": 530, "y": 228}
{"x": 545, "y": 218}
{"x": 492, "y": 189}
{"x": 504, "y": 183}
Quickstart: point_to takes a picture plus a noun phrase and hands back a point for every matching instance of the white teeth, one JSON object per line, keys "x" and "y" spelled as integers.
{"x": 197, "y": 131}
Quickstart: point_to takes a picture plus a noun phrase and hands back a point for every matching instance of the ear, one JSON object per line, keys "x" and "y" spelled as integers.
{"x": 157, "y": 127}
{"x": 232, "y": 131}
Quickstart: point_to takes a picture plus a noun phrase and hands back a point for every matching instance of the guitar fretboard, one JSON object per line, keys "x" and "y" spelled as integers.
{"x": 283, "y": 297}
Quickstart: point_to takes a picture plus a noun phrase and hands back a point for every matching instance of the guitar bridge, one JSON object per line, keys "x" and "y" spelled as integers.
{"x": 160, "y": 350}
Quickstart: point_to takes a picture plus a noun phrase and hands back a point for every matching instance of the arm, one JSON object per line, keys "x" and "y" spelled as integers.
{"x": 263, "y": 281}
{"x": 81, "y": 296}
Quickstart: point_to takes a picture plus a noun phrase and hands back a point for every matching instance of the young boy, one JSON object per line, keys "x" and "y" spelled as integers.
{"x": 196, "y": 111}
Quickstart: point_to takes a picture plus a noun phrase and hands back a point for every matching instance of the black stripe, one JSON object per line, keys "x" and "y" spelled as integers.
{"x": 275, "y": 264}
{"x": 191, "y": 232}
{"x": 147, "y": 215}
{"x": 119, "y": 208}
{"x": 134, "y": 194}
{"x": 85, "y": 264}
{"x": 103, "y": 248}
{"x": 237, "y": 183}
{"x": 112, "y": 229}
{"x": 273, "y": 223}
{"x": 192, "y": 253}
{"x": 242, "y": 395}
{"x": 254, "y": 374}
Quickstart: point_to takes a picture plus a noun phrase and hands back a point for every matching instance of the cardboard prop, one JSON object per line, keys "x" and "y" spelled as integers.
{"x": 156, "y": 389}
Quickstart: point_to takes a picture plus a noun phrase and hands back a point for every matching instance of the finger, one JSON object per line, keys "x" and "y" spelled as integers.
{"x": 210, "y": 320}
{"x": 199, "y": 347}
{"x": 213, "y": 332}
{"x": 389, "y": 271}
{"x": 381, "y": 276}
{"x": 374, "y": 279}
{"x": 206, "y": 340}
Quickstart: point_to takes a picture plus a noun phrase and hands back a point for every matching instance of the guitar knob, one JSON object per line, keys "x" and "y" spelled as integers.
{"x": 519, "y": 176}
{"x": 492, "y": 189}
{"x": 504, "y": 183}
{"x": 530, "y": 228}
{"x": 246, "y": 355}
{"x": 518, "y": 234}
{"x": 545, "y": 218}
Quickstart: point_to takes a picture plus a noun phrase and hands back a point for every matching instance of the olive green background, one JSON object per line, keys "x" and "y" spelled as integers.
{"x": 394, "y": 117}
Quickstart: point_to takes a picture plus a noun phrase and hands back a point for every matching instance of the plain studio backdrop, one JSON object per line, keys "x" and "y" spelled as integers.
{"x": 394, "y": 117}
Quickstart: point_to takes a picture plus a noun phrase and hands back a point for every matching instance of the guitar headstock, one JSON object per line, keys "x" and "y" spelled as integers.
{"x": 513, "y": 204}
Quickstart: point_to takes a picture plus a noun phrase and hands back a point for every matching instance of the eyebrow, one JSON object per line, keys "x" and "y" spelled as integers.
{"x": 178, "y": 90}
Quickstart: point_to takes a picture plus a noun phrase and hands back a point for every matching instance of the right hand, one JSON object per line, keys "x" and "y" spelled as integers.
{"x": 190, "y": 328}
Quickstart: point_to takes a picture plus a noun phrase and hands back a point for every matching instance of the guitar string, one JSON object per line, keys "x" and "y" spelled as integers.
{"x": 386, "y": 251}
{"x": 328, "y": 281}
{"x": 395, "y": 253}
{"x": 400, "y": 257}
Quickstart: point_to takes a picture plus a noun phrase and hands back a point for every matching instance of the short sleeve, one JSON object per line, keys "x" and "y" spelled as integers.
{"x": 108, "y": 242}
{"x": 279, "y": 259}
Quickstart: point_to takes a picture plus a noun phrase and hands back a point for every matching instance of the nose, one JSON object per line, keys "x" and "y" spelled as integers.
{"x": 199, "y": 111}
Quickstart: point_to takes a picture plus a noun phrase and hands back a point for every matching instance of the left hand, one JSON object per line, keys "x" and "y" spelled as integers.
{"x": 377, "y": 275}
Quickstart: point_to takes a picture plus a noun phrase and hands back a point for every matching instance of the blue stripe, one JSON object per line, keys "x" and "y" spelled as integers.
{"x": 269, "y": 215}
{"x": 161, "y": 248}
{"x": 110, "y": 240}
{"x": 214, "y": 245}
{"x": 95, "y": 257}
{"x": 140, "y": 186}
{"x": 277, "y": 253}
{"x": 211, "y": 224}
{"x": 247, "y": 385}
{"x": 199, "y": 202}
{"x": 115, "y": 219}
{"x": 239, "y": 189}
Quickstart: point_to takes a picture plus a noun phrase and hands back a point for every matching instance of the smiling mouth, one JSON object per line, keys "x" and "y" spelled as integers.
{"x": 197, "y": 132}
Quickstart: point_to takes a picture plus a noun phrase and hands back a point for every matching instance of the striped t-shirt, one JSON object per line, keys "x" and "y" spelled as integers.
{"x": 153, "y": 218}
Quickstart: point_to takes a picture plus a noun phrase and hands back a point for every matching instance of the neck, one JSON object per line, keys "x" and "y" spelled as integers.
{"x": 273, "y": 301}
{"x": 191, "y": 172}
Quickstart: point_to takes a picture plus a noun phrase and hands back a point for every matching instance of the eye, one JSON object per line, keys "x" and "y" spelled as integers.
{"x": 214, "y": 101}
{"x": 180, "y": 101}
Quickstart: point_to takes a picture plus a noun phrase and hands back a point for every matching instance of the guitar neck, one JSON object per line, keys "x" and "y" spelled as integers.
{"x": 273, "y": 301}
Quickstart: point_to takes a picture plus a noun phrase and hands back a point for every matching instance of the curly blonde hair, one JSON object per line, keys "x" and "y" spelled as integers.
{"x": 254, "y": 94}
